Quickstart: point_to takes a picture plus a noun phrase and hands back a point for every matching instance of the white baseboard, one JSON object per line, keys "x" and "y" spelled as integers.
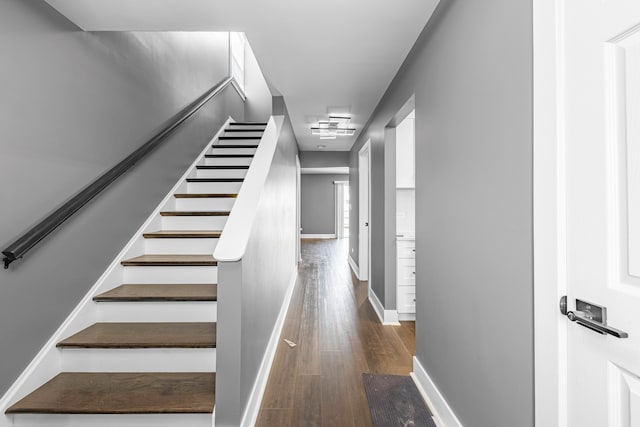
{"x": 408, "y": 317}
{"x": 354, "y": 267}
{"x": 387, "y": 317}
{"x": 317, "y": 236}
{"x": 255, "y": 398}
{"x": 443, "y": 415}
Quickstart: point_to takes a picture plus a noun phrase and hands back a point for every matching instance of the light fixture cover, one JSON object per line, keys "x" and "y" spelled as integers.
{"x": 336, "y": 126}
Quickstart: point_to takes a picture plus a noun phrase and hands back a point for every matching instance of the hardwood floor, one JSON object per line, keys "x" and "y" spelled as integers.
{"x": 338, "y": 337}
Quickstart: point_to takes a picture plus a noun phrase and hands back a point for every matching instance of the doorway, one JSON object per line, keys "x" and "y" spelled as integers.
{"x": 364, "y": 196}
{"x": 405, "y": 212}
{"x": 342, "y": 209}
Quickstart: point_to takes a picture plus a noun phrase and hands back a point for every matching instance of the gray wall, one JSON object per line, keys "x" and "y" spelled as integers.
{"x": 258, "y": 105}
{"x": 324, "y": 159}
{"x": 256, "y": 285}
{"x": 74, "y": 104}
{"x": 318, "y": 203}
{"x": 471, "y": 73}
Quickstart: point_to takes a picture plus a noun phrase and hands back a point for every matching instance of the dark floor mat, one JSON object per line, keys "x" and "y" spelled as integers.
{"x": 395, "y": 401}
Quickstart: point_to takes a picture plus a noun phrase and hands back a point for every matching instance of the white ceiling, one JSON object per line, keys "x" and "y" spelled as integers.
{"x": 323, "y": 57}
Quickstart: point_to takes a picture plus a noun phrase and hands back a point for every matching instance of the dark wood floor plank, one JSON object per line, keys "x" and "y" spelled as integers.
{"x": 274, "y": 418}
{"x": 122, "y": 393}
{"x": 307, "y": 408}
{"x": 407, "y": 333}
{"x": 281, "y": 380}
{"x": 354, "y": 367}
{"x": 308, "y": 342}
{"x": 144, "y": 335}
{"x": 335, "y": 399}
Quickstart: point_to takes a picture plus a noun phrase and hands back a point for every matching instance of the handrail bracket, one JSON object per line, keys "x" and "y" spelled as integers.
{"x": 7, "y": 261}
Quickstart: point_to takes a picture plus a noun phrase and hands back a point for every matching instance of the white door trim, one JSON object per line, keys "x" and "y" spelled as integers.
{"x": 550, "y": 328}
{"x": 339, "y": 187}
{"x": 298, "y": 209}
{"x": 364, "y": 255}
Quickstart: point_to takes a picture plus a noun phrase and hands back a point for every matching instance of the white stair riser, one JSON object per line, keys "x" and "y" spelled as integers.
{"x": 205, "y": 204}
{"x": 247, "y": 142}
{"x": 228, "y": 161}
{"x": 171, "y": 311}
{"x": 170, "y": 275}
{"x": 193, "y": 222}
{"x": 220, "y": 150}
{"x": 124, "y": 420}
{"x": 248, "y": 126}
{"x": 246, "y": 132}
{"x": 213, "y": 187}
{"x": 138, "y": 360}
{"x": 179, "y": 246}
{"x": 221, "y": 173}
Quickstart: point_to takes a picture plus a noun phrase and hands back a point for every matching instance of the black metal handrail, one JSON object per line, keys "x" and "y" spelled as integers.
{"x": 30, "y": 238}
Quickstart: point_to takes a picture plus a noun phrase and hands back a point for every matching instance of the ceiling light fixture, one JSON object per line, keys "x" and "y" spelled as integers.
{"x": 334, "y": 127}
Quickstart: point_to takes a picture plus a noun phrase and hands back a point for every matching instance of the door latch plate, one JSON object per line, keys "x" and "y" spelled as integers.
{"x": 592, "y": 311}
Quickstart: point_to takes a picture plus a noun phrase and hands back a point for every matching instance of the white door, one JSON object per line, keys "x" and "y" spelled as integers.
{"x": 600, "y": 87}
{"x": 364, "y": 165}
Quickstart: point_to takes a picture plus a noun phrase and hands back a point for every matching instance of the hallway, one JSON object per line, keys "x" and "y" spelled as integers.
{"x": 338, "y": 337}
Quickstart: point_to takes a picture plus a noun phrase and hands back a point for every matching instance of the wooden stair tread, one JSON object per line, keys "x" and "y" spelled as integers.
{"x": 144, "y": 335}
{"x": 171, "y": 260}
{"x": 215, "y": 179}
{"x": 247, "y": 124}
{"x": 244, "y": 130}
{"x": 183, "y": 234}
{"x": 122, "y": 393}
{"x": 194, "y": 213}
{"x": 149, "y": 292}
{"x": 214, "y": 156}
{"x": 225, "y": 167}
{"x": 234, "y": 146}
{"x": 204, "y": 195}
{"x": 238, "y": 137}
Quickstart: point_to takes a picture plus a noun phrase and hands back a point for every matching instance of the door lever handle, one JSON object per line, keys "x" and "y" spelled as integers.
{"x": 591, "y": 316}
{"x": 579, "y": 317}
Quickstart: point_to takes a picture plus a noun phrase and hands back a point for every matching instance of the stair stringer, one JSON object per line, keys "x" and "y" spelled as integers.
{"x": 48, "y": 362}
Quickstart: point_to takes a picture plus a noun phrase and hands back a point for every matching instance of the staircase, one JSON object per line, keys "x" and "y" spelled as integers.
{"x": 149, "y": 358}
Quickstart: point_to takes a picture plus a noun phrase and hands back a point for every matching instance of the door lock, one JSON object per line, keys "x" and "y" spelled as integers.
{"x": 591, "y": 316}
